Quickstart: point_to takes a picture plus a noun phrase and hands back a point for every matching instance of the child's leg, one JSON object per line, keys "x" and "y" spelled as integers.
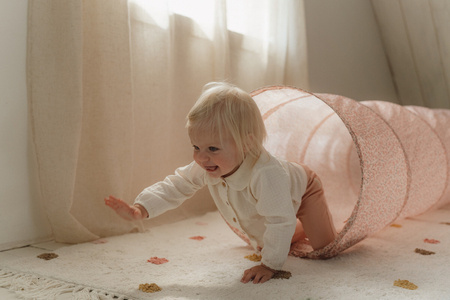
{"x": 314, "y": 214}
{"x": 299, "y": 233}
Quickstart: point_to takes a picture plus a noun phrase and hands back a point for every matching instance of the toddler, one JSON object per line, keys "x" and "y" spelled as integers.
{"x": 269, "y": 202}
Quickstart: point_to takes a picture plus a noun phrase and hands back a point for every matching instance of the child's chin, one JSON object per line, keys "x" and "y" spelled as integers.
{"x": 214, "y": 174}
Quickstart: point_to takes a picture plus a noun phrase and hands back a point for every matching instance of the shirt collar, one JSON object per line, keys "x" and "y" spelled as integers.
{"x": 241, "y": 177}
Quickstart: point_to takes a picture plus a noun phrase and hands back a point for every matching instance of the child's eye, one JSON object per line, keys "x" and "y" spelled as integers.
{"x": 195, "y": 147}
{"x": 213, "y": 149}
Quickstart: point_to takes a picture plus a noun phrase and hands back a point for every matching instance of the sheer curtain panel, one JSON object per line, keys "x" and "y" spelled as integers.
{"x": 416, "y": 35}
{"x": 110, "y": 83}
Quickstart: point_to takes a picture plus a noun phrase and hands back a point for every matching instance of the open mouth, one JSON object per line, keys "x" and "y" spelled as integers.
{"x": 210, "y": 168}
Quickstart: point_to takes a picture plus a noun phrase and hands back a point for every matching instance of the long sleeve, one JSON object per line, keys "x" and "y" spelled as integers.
{"x": 172, "y": 191}
{"x": 272, "y": 186}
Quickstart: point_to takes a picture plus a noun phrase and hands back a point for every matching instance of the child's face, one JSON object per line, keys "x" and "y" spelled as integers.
{"x": 218, "y": 158}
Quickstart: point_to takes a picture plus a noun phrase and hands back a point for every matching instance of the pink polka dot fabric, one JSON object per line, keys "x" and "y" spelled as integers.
{"x": 378, "y": 161}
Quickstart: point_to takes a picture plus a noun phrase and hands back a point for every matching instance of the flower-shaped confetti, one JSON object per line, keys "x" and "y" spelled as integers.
{"x": 197, "y": 238}
{"x": 431, "y": 241}
{"x": 47, "y": 256}
{"x": 253, "y": 257}
{"x": 405, "y": 284}
{"x": 157, "y": 260}
{"x": 149, "y": 288}
{"x": 424, "y": 252}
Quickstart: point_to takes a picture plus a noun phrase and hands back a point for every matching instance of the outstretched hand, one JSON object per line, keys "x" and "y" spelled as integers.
{"x": 123, "y": 209}
{"x": 259, "y": 274}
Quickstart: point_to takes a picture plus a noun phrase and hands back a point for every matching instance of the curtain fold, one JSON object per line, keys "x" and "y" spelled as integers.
{"x": 417, "y": 43}
{"x": 110, "y": 83}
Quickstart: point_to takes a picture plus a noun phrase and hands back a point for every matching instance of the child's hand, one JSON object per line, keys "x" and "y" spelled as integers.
{"x": 259, "y": 274}
{"x": 126, "y": 211}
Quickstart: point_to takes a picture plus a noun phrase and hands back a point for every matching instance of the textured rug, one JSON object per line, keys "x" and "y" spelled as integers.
{"x": 200, "y": 258}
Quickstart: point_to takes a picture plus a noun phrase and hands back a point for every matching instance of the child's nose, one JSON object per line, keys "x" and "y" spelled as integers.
{"x": 202, "y": 156}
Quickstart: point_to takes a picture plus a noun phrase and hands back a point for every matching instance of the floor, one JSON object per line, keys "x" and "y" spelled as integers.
{"x": 368, "y": 270}
{"x": 37, "y": 249}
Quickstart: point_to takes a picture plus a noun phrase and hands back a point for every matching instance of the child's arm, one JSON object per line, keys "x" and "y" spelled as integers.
{"x": 126, "y": 211}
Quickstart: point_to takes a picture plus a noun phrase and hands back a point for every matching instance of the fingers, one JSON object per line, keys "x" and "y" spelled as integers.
{"x": 122, "y": 208}
{"x": 257, "y": 274}
{"x": 114, "y": 202}
{"x": 247, "y": 276}
{"x": 255, "y": 278}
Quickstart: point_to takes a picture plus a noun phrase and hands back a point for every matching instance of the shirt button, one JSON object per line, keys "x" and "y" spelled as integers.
{"x": 224, "y": 184}
{"x": 228, "y": 203}
{"x": 234, "y": 219}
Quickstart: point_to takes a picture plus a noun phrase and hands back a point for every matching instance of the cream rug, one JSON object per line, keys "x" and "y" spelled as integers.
{"x": 211, "y": 268}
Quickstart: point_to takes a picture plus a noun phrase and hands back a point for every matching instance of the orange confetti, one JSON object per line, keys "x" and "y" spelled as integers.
{"x": 198, "y": 238}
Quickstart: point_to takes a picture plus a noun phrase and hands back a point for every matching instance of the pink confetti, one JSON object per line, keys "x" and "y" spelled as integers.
{"x": 431, "y": 241}
{"x": 100, "y": 241}
{"x": 201, "y": 223}
{"x": 157, "y": 260}
{"x": 198, "y": 238}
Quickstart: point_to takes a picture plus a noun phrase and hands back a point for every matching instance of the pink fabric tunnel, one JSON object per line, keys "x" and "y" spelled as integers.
{"x": 378, "y": 161}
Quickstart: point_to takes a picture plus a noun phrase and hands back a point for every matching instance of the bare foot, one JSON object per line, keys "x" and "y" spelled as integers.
{"x": 123, "y": 209}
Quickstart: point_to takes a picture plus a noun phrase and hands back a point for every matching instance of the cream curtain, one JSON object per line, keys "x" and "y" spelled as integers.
{"x": 416, "y": 35}
{"x": 110, "y": 83}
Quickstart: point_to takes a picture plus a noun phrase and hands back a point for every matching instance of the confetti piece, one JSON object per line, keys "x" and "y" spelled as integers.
{"x": 424, "y": 252}
{"x": 47, "y": 256}
{"x": 201, "y": 223}
{"x": 198, "y": 238}
{"x": 431, "y": 241}
{"x": 157, "y": 260}
{"x": 149, "y": 288}
{"x": 396, "y": 225}
{"x": 253, "y": 257}
{"x": 405, "y": 284}
{"x": 100, "y": 241}
{"x": 282, "y": 275}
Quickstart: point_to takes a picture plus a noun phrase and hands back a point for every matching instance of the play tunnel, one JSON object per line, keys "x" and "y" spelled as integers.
{"x": 378, "y": 161}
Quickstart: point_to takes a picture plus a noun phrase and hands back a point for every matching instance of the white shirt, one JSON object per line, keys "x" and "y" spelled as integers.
{"x": 260, "y": 199}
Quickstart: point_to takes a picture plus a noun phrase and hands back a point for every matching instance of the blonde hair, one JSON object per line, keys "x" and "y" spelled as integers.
{"x": 224, "y": 108}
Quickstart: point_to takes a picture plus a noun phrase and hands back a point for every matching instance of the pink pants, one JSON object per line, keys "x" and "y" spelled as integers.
{"x": 315, "y": 217}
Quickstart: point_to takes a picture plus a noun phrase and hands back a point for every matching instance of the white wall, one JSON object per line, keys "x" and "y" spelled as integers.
{"x": 345, "y": 51}
{"x": 22, "y": 220}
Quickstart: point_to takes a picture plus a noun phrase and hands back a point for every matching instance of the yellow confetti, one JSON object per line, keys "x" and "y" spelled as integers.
{"x": 396, "y": 225}
{"x": 253, "y": 257}
{"x": 405, "y": 284}
{"x": 149, "y": 288}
